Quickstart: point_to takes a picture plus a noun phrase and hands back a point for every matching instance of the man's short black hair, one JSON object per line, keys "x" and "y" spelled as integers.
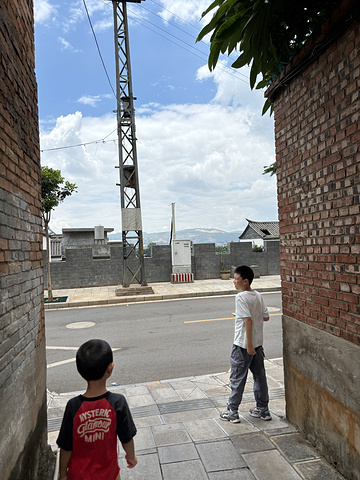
{"x": 93, "y": 358}
{"x": 245, "y": 272}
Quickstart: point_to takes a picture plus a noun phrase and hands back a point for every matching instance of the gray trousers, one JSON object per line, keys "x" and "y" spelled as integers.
{"x": 241, "y": 362}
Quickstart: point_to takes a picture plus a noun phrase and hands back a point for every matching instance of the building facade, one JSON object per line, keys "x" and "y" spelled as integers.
{"x": 23, "y": 418}
{"x": 317, "y": 134}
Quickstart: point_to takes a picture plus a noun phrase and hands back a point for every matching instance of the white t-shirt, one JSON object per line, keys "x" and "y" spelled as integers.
{"x": 249, "y": 304}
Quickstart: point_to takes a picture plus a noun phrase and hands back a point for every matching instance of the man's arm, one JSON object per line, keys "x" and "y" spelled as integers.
{"x": 65, "y": 456}
{"x": 130, "y": 453}
{"x": 248, "y": 329}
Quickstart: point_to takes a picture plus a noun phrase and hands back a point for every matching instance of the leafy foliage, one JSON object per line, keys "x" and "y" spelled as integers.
{"x": 52, "y": 190}
{"x": 270, "y": 169}
{"x": 267, "y": 34}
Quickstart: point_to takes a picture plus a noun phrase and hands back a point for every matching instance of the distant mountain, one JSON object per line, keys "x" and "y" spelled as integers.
{"x": 196, "y": 235}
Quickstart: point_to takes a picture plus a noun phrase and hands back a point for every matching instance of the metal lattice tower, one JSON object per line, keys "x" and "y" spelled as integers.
{"x": 132, "y": 238}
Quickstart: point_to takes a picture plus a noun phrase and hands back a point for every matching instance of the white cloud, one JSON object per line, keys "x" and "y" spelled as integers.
{"x": 183, "y": 10}
{"x": 43, "y": 11}
{"x": 66, "y": 45}
{"x": 92, "y": 100}
{"x": 208, "y": 159}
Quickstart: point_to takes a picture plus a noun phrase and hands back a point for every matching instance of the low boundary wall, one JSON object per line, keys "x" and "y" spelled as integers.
{"x": 82, "y": 269}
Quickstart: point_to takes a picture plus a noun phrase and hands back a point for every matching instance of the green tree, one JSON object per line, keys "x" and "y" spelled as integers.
{"x": 265, "y": 34}
{"x": 53, "y": 192}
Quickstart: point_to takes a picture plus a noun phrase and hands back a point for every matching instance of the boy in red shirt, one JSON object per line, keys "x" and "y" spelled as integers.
{"x": 93, "y": 421}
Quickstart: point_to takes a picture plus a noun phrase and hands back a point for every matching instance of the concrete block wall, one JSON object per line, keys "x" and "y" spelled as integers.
{"x": 317, "y": 132}
{"x": 82, "y": 269}
{"x": 23, "y": 442}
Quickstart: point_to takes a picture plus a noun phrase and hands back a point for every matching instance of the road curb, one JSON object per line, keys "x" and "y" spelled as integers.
{"x": 147, "y": 298}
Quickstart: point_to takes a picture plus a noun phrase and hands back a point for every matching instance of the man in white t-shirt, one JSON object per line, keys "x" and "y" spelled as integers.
{"x": 247, "y": 352}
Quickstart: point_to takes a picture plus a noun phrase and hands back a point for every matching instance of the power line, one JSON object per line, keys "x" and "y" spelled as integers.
{"x": 189, "y": 51}
{"x": 102, "y": 140}
{"x": 185, "y": 21}
{"x": 98, "y": 48}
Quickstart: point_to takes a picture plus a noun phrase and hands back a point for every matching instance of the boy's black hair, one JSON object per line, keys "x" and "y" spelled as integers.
{"x": 93, "y": 358}
{"x": 245, "y": 272}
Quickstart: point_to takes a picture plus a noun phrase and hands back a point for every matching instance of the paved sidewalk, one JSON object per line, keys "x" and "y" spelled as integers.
{"x": 181, "y": 437}
{"x": 89, "y": 296}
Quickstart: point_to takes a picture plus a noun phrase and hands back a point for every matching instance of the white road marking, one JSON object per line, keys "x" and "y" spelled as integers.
{"x": 69, "y": 360}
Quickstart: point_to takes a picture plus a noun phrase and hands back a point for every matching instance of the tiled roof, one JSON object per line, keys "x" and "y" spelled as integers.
{"x": 265, "y": 230}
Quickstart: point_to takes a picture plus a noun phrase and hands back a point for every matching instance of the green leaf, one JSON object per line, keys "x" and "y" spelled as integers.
{"x": 215, "y": 50}
{"x": 243, "y": 59}
{"x": 213, "y": 5}
{"x": 266, "y": 107}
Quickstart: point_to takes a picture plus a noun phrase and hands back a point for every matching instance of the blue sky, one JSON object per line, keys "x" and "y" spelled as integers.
{"x": 202, "y": 142}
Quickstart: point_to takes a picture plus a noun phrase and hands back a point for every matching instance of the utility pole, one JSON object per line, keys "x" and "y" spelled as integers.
{"x": 132, "y": 237}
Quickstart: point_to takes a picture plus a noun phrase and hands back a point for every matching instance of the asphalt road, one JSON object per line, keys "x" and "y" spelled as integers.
{"x": 152, "y": 341}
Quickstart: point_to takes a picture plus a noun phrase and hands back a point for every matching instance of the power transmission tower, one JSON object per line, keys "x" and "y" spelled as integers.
{"x": 132, "y": 238}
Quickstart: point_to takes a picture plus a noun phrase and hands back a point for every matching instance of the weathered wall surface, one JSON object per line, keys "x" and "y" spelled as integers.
{"x": 317, "y": 131}
{"x": 23, "y": 450}
{"x": 80, "y": 269}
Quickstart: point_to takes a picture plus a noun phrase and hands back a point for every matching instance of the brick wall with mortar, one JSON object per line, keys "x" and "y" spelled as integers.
{"x": 80, "y": 269}
{"x": 317, "y": 134}
{"x": 23, "y": 443}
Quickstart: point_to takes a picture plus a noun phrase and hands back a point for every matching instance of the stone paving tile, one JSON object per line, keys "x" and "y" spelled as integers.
{"x": 239, "y": 474}
{"x": 140, "y": 401}
{"x": 317, "y": 470}
{"x": 170, "y": 434}
{"x": 191, "y": 470}
{"x": 147, "y": 468}
{"x": 137, "y": 390}
{"x": 163, "y": 392}
{"x": 270, "y": 465}
{"x": 144, "y": 439}
{"x": 224, "y": 377}
{"x": 190, "y": 394}
{"x": 272, "y": 383}
{"x": 278, "y": 407}
{"x": 178, "y": 453}
{"x": 274, "y": 426}
{"x": 295, "y": 448}
{"x": 255, "y": 442}
{"x": 236, "y": 428}
{"x": 206, "y": 429}
{"x": 52, "y": 437}
{"x": 217, "y": 456}
{"x": 148, "y": 421}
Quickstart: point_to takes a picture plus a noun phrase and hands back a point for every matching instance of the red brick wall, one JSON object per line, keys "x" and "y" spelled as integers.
{"x": 317, "y": 131}
{"x": 22, "y": 355}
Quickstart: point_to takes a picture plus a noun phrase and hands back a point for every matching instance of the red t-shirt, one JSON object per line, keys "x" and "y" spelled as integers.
{"x": 89, "y": 430}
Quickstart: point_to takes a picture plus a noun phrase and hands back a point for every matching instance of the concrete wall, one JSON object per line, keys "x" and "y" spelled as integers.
{"x": 84, "y": 268}
{"x": 23, "y": 443}
{"x": 317, "y": 133}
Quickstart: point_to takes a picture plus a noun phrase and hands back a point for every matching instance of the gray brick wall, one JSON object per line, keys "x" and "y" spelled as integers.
{"x": 23, "y": 445}
{"x": 80, "y": 269}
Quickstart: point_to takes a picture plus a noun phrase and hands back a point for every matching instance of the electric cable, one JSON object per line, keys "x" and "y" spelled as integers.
{"x": 98, "y": 48}
{"x": 102, "y": 140}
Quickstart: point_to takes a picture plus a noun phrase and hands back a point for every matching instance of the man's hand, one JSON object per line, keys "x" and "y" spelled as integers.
{"x": 251, "y": 350}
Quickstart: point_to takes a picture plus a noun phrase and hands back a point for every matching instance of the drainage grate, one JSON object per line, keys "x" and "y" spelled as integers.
{"x": 185, "y": 406}
{"x": 176, "y": 407}
{"x": 146, "y": 411}
{"x": 54, "y": 424}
